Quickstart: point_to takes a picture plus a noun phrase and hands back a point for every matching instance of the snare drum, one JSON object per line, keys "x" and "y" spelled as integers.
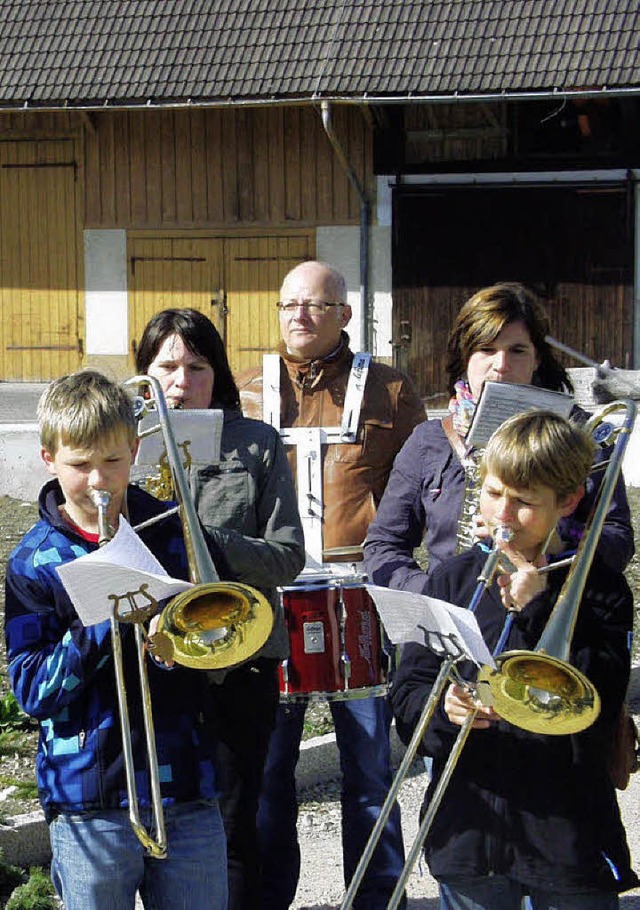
{"x": 335, "y": 640}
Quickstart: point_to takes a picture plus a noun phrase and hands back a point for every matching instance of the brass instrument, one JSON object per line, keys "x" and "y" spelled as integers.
{"x": 448, "y": 673}
{"x": 466, "y": 530}
{"x": 212, "y": 625}
{"x": 215, "y": 624}
{"x": 155, "y": 847}
{"x": 540, "y": 690}
{"x": 536, "y": 690}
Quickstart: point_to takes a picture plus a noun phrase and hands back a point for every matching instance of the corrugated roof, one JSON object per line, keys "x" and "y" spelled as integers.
{"x": 134, "y": 52}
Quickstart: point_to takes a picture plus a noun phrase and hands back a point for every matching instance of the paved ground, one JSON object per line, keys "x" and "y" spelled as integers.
{"x": 18, "y": 401}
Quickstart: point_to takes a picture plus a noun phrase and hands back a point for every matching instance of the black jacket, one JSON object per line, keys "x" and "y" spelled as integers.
{"x": 540, "y": 809}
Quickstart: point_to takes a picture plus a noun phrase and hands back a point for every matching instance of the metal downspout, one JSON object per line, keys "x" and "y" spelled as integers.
{"x": 365, "y": 340}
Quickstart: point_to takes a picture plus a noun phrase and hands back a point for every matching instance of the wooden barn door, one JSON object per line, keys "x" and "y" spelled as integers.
{"x": 174, "y": 272}
{"x": 573, "y": 245}
{"x": 41, "y": 327}
{"x": 254, "y": 269}
{"x": 233, "y": 281}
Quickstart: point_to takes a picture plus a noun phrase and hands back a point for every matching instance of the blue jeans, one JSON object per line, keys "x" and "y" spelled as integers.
{"x": 362, "y": 736}
{"x": 98, "y": 862}
{"x": 496, "y": 892}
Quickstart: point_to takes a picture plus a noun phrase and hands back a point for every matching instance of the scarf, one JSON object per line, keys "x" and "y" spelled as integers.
{"x": 461, "y": 407}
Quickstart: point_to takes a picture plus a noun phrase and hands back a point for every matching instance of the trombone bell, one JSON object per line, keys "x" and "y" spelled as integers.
{"x": 541, "y": 693}
{"x": 213, "y": 625}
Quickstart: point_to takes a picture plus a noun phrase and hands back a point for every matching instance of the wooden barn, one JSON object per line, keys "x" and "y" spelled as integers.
{"x": 188, "y": 154}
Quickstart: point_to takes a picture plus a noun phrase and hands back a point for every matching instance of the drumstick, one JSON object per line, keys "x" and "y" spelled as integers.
{"x": 354, "y": 552}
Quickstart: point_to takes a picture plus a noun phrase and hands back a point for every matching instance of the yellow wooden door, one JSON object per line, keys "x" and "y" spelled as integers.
{"x": 234, "y": 281}
{"x": 41, "y": 321}
{"x": 174, "y": 272}
{"x": 254, "y": 270}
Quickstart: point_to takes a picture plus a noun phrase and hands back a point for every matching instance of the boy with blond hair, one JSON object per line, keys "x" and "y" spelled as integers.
{"x": 526, "y": 813}
{"x": 62, "y": 673}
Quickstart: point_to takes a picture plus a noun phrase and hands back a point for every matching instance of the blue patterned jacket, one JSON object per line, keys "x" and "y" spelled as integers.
{"x": 62, "y": 674}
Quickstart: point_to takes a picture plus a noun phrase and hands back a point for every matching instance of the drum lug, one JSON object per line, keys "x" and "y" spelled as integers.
{"x": 346, "y": 668}
{"x": 285, "y": 675}
{"x": 345, "y": 660}
{"x": 387, "y": 660}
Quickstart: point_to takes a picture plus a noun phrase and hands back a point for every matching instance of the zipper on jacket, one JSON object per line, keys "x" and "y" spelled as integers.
{"x": 82, "y": 738}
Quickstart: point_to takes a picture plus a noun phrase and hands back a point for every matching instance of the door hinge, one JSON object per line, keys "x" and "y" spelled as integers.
{"x": 219, "y": 299}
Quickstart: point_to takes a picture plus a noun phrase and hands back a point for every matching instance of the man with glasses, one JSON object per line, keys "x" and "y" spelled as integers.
{"x": 364, "y": 411}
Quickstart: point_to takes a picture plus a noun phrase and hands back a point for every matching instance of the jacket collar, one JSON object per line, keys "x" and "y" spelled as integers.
{"x": 302, "y": 369}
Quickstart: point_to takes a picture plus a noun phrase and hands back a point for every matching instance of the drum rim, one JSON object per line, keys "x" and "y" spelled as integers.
{"x": 325, "y": 583}
{"x": 377, "y": 691}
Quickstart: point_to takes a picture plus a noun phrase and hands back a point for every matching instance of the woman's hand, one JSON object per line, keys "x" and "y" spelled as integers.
{"x": 459, "y": 702}
{"x": 480, "y": 529}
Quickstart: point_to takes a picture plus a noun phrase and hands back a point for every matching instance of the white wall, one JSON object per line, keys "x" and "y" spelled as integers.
{"x": 105, "y": 267}
{"x": 340, "y": 246}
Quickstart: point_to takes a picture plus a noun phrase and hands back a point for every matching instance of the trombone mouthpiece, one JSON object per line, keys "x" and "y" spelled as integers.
{"x": 502, "y": 534}
{"x": 100, "y": 498}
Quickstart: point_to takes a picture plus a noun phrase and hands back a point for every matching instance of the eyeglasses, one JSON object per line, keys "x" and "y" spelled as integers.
{"x": 313, "y": 307}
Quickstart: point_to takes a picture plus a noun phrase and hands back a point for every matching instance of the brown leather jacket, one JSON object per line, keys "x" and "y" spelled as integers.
{"x": 354, "y": 474}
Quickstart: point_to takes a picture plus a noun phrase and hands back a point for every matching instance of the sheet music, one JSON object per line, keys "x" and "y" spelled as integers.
{"x": 500, "y": 400}
{"x": 197, "y": 432}
{"x": 428, "y": 621}
{"x": 118, "y": 569}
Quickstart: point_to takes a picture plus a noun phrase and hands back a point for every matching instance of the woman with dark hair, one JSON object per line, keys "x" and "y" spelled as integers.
{"x": 201, "y": 338}
{"x": 248, "y": 507}
{"x": 499, "y": 335}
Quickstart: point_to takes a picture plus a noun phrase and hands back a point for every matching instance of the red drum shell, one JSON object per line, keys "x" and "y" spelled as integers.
{"x": 316, "y": 669}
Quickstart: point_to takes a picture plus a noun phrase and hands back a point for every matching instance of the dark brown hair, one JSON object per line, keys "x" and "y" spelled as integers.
{"x": 202, "y": 338}
{"x": 486, "y": 314}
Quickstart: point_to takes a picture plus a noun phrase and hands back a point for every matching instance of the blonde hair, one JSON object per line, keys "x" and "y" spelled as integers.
{"x": 539, "y": 448}
{"x": 83, "y": 408}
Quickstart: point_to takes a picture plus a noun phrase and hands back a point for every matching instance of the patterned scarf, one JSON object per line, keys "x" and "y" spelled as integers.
{"x": 462, "y": 407}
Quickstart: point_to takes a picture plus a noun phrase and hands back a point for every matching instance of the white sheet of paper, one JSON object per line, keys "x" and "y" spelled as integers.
{"x": 119, "y": 568}
{"x": 500, "y": 400}
{"x": 411, "y": 617}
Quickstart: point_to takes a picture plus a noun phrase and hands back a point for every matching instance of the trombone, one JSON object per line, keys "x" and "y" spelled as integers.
{"x": 212, "y": 625}
{"x": 447, "y": 673}
{"x": 536, "y": 690}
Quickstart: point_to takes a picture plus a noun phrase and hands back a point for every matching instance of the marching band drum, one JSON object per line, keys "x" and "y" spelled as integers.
{"x": 335, "y": 638}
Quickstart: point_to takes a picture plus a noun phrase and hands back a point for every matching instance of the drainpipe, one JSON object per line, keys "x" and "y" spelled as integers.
{"x": 365, "y": 341}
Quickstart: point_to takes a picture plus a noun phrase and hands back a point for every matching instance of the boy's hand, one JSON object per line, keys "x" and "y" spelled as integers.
{"x": 459, "y": 702}
{"x": 521, "y": 586}
{"x": 158, "y": 644}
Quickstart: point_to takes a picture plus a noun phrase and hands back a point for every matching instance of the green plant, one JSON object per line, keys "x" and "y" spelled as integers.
{"x": 37, "y": 893}
{"x": 24, "y": 789}
{"x": 10, "y": 876}
{"x": 11, "y": 714}
{"x": 13, "y": 723}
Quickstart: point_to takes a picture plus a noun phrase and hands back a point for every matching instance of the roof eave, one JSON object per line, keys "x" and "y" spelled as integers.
{"x": 365, "y": 98}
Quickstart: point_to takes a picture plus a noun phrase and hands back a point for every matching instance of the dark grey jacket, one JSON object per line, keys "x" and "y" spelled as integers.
{"x": 248, "y": 507}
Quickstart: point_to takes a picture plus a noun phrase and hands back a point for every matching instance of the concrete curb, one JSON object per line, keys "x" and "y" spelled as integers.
{"x": 24, "y": 839}
{"x": 22, "y": 471}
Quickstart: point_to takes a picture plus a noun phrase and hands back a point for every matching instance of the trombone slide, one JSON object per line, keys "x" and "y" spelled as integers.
{"x": 155, "y": 847}
{"x": 445, "y": 675}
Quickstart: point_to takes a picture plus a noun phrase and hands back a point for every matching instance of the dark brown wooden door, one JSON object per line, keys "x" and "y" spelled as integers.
{"x": 573, "y": 245}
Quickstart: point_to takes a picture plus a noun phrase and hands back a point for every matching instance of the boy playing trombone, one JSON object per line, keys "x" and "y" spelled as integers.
{"x": 62, "y": 673}
{"x": 526, "y": 813}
